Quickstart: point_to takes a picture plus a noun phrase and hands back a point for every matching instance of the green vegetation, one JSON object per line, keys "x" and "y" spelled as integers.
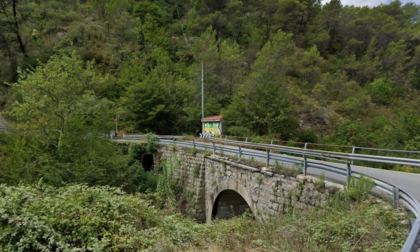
{"x": 359, "y": 189}
{"x": 152, "y": 142}
{"x": 107, "y": 219}
{"x": 197, "y": 170}
{"x": 222, "y": 151}
{"x": 207, "y": 152}
{"x": 320, "y": 182}
{"x": 193, "y": 151}
{"x": 289, "y": 70}
{"x": 293, "y": 171}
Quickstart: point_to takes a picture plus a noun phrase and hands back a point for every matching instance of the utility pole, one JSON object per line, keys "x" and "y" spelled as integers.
{"x": 202, "y": 89}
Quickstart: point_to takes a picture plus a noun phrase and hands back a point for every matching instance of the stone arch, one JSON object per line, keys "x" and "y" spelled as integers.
{"x": 147, "y": 161}
{"x": 229, "y": 185}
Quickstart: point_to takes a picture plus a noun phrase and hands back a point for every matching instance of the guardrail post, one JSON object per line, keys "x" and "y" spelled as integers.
{"x": 246, "y": 140}
{"x": 268, "y": 157}
{"x": 306, "y": 145}
{"x": 194, "y": 143}
{"x": 353, "y": 152}
{"x": 396, "y": 196}
{"x": 225, "y": 138}
{"x": 240, "y": 152}
{"x": 348, "y": 171}
{"x": 214, "y": 148}
{"x": 271, "y": 141}
{"x": 305, "y": 164}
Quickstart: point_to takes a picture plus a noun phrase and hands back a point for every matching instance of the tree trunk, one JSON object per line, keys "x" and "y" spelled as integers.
{"x": 19, "y": 38}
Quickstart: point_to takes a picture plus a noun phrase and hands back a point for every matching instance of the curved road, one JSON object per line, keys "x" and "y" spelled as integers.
{"x": 409, "y": 182}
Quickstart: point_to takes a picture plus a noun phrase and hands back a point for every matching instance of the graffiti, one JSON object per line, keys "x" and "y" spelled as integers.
{"x": 213, "y": 128}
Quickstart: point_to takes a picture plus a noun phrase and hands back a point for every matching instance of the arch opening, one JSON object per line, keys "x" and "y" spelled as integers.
{"x": 147, "y": 162}
{"x": 229, "y": 204}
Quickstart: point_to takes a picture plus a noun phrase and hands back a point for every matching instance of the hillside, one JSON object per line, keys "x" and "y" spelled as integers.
{"x": 291, "y": 69}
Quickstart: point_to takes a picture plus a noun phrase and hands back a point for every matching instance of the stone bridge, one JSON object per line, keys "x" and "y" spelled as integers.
{"x": 223, "y": 187}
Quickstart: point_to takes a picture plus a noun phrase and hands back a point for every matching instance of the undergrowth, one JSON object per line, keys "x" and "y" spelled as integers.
{"x": 358, "y": 189}
{"x": 83, "y": 218}
{"x": 107, "y": 219}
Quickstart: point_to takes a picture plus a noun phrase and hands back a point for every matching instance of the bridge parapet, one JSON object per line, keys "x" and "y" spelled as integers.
{"x": 267, "y": 193}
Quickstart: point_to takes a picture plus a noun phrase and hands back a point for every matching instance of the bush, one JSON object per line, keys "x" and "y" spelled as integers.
{"x": 238, "y": 131}
{"x": 358, "y": 190}
{"x": 136, "y": 151}
{"x": 381, "y": 90}
{"x": 320, "y": 182}
{"x": 257, "y": 139}
{"x": 82, "y": 217}
{"x": 152, "y": 143}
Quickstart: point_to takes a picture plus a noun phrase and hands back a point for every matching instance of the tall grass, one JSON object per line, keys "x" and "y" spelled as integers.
{"x": 343, "y": 226}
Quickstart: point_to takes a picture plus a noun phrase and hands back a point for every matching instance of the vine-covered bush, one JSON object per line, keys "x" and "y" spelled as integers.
{"x": 152, "y": 144}
{"x": 82, "y": 218}
{"x": 75, "y": 217}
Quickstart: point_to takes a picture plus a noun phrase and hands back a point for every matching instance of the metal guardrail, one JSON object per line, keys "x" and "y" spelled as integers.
{"x": 349, "y": 156}
{"x": 139, "y": 137}
{"x": 352, "y": 149}
{"x": 309, "y": 159}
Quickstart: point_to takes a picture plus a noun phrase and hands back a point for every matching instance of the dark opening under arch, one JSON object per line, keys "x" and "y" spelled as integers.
{"x": 229, "y": 204}
{"x": 147, "y": 162}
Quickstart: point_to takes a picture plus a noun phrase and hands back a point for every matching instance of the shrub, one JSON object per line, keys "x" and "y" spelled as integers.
{"x": 72, "y": 217}
{"x": 165, "y": 183}
{"x": 135, "y": 152}
{"x": 358, "y": 190}
{"x": 257, "y": 139}
{"x": 81, "y": 218}
{"x": 207, "y": 152}
{"x": 320, "y": 182}
{"x": 238, "y": 131}
{"x": 381, "y": 90}
{"x": 193, "y": 151}
{"x": 152, "y": 144}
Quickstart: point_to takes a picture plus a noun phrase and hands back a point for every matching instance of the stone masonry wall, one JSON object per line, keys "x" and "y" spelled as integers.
{"x": 190, "y": 175}
{"x": 271, "y": 193}
{"x": 268, "y": 192}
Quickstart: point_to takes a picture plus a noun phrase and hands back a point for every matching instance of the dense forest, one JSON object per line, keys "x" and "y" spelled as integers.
{"x": 293, "y": 70}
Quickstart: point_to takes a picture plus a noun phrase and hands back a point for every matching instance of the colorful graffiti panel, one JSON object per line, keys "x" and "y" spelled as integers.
{"x": 213, "y": 128}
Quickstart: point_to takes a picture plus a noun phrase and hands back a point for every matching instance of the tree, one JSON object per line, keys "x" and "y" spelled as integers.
{"x": 57, "y": 111}
{"x": 151, "y": 104}
{"x": 10, "y": 18}
{"x": 325, "y": 32}
{"x": 57, "y": 99}
{"x": 262, "y": 105}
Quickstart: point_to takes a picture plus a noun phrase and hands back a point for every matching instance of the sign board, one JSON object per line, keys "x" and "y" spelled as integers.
{"x": 212, "y": 125}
